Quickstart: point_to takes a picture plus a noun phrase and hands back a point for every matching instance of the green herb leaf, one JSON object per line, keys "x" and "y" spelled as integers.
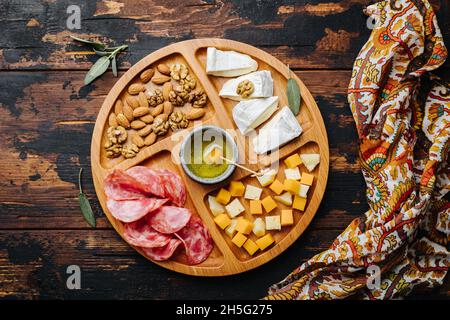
{"x": 99, "y": 68}
{"x": 96, "y": 45}
{"x": 114, "y": 66}
{"x": 293, "y": 95}
{"x": 102, "y": 53}
{"x": 85, "y": 206}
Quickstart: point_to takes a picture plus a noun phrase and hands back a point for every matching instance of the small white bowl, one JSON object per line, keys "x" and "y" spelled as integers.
{"x": 184, "y": 157}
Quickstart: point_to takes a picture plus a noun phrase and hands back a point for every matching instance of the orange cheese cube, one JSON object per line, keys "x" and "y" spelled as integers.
{"x": 287, "y": 219}
{"x": 222, "y": 220}
{"x": 265, "y": 241}
{"x": 277, "y": 187}
{"x": 255, "y": 207}
{"x": 299, "y": 203}
{"x": 244, "y": 226}
{"x": 307, "y": 179}
{"x": 293, "y": 186}
{"x": 237, "y": 189}
{"x": 268, "y": 203}
{"x": 239, "y": 239}
{"x": 251, "y": 247}
{"x": 293, "y": 161}
{"x": 223, "y": 196}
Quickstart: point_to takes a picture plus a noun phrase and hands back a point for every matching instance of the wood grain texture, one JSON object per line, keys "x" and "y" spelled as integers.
{"x": 48, "y": 119}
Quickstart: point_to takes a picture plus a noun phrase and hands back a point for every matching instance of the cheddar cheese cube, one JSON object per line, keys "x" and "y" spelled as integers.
{"x": 255, "y": 207}
{"x": 223, "y": 197}
{"x": 287, "y": 219}
{"x": 273, "y": 223}
{"x": 259, "y": 227}
{"x": 265, "y": 241}
{"x": 277, "y": 186}
{"x": 239, "y": 239}
{"x": 307, "y": 179}
{"x": 293, "y": 186}
{"x": 244, "y": 226}
{"x": 237, "y": 189}
{"x": 222, "y": 220}
{"x": 299, "y": 203}
{"x": 293, "y": 161}
{"x": 234, "y": 208}
{"x": 250, "y": 246}
{"x": 231, "y": 229}
{"x": 268, "y": 203}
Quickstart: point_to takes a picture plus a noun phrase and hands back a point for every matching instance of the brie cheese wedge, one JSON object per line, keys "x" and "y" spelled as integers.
{"x": 249, "y": 114}
{"x": 262, "y": 86}
{"x": 281, "y": 129}
{"x": 228, "y": 63}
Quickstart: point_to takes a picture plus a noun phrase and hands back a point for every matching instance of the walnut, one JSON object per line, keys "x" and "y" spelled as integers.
{"x": 245, "y": 88}
{"x": 160, "y": 126}
{"x": 130, "y": 150}
{"x": 113, "y": 150}
{"x": 198, "y": 98}
{"x": 188, "y": 83}
{"x": 178, "y": 96}
{"x": 117, "y": 135}
{"x": 178, "y": 120}
{"x": 156, "y": 98}
{"x": 178, "y": 71}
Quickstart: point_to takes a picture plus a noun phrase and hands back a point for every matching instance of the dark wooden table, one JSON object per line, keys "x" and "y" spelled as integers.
{"x": 47, "y": 118}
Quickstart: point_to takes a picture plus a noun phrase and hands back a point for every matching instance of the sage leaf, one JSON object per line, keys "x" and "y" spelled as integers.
{"x": 85, "y": 206}
{"x": 293, "y": 95}
{"x": 114, "y": 66}
{"x": 99, "y": 68}
{"x": 102, "y": 53}
{"x": 94, "y": 44}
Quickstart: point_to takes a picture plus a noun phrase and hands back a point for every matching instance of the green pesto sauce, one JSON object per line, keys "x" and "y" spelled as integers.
{"x": 202, "y": 169}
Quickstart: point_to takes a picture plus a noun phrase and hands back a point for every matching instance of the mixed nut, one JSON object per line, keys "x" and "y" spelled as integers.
{"x": 153, "y": 114}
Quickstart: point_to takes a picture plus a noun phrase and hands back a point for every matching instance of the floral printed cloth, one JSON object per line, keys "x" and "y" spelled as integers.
{"x": 402, "y": 115}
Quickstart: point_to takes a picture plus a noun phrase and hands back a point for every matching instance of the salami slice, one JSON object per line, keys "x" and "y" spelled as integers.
{"x": 149, "y": 178}
{"x": 141, "y": 234}
{"x": 133, "y": 210}
{"x": 162, "y": 253}
{"x": 197, "y": 240}
{"x": 174, "y": 188}
{"x": 121, "y": 186}
{"x": 169, "y": 219}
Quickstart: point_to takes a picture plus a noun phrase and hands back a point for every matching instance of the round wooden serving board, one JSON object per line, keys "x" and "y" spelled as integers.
{"x": 226, "y": 258}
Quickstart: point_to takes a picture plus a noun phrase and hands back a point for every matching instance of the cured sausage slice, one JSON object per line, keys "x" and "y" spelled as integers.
{"x": 162, "y": 253}
{"x": 169, "y": 219}
{"x": 149, "y": 178}
{"x": 141, "y": 234}
{"x": 197, "y": 240}
{"x": 133, "y": 210}
{"x": 173, "y": 187}
{"x": 121, "y": 186}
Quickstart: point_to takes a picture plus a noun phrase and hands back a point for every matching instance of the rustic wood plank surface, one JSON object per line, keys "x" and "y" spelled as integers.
{"x": 47, "y": 118}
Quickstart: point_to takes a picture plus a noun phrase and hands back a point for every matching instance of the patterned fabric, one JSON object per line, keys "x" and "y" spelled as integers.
{"x": 402, "y": 117}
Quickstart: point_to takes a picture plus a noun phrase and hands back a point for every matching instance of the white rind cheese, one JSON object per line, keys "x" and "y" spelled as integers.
{"x": 310, "y": 160}
{"x": 303, "y": 192}
{"x": 262, "y": 86}
{"x": 273, "y": 223}
{"x": 215, "y": 207}
{"x": 249, "y": 114}
{"x": 259, "y": 227}
{"x": 228, "y": 63}
{"x": 252, "y": 192}
{"x": 281, "y": 129}
{"x": 267, "y": 178}
{"x": 231, "y": 229}
{"x": 293, "y": 174}
{"x": 234, "y": 208}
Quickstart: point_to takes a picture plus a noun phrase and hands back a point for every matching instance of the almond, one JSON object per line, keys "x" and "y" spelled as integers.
{"x": 137, "y": 140}
{"x": 163, "y": 68}
{"x": 138, "y": 124}
{"x": 135, "y": 88}
{"x": 132, "y": 102}
{"x": 141, "y": 111}
{"x": 163, "y": 117}
{"x": 128, "y": 112}
{"x": 146, "y": 75}
{"x": 122, "y": 120}
{"x": 148, "y": 118}
{"x": 142, "y": 98}
{"x": 195, "y": 114}
{"x": 145, "y": 131}
{"x": 112, "y": 121}
{"x": 167, "y": 87}
{"x": 157, "y": 110}
{"x": 167, "y": 107}
{"x": 118, "y": 106}
{"x": 150, "y": 139}
{"x": 160, "y": 79}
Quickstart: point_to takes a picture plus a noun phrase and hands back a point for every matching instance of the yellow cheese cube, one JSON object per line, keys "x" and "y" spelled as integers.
{"x": 222, "y": 220}
{"x": 255, "y": 207}
{"x": 244, "y": 226}
{"x": 237, "y": 189}
{"x": 239, "y": 239}
{"x": 293, "y": 161}
{"x": 268, "y": 203}
{"x": 287, "y": 219}
{"x": 259, "y": 227}
{"x": 277, "y": 187}
{"x": 293, "y": 186}
{"x": 265, "y": 241}
{"x": 307, "y": 179}
{"x": 250, "y": 246}
{"x": 223, "y": 197}
{"x": 299, "y": 203}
